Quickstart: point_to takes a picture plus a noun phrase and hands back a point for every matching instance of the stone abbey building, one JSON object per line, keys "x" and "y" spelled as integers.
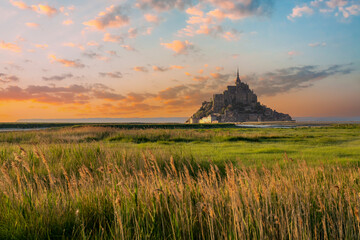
{"x": 236, "y": 104}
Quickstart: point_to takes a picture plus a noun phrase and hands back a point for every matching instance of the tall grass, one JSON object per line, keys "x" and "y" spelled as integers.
{"x": 119, "y": 197}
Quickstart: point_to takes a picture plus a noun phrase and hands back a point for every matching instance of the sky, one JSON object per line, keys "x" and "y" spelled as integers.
{"x": 163, "y": 58}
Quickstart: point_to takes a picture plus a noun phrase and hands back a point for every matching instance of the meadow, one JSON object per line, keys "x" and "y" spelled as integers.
{"x": 121, "y": 182}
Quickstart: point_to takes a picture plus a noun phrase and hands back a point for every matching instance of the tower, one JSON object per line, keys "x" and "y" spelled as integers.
{"x": 237, "y": 81}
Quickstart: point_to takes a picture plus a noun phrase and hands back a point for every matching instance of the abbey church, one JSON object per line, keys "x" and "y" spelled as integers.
{"x": 236, "y": 104}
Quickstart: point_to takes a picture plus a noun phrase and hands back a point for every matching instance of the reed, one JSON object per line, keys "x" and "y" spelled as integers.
{"x": 111, "y": 189}
{"x": 147, "y": 201}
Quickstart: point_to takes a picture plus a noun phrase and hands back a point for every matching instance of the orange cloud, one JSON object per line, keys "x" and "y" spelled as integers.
{"x": 67, "y": 63}
{"x": 112, "y": 38}
{"x": 152, "y": 18}
{"x": 31, "y": 24}
{"x": 176, "y": 67}
{"x": 179, "y": 47}
{"x": 195, "y": 11}
{"x": 73, "y": 45}
{"x": 41, "y": 46}
{"x": 92, "y": 43}
{"x": 113, "y": 17}
{"x": 163, "y": 69}
{"x": 218, "y": 14}
{"x": 19, "y": 4}
{"x": 200, "y": 78}
{"x": 10, "y": 46}
{"x": 44, "y": 9}
{"x": 68, "y": 22}
{"x": 40, "y": 8}
{"x": 78, "y": 94}
{"x": 140, "y": 69}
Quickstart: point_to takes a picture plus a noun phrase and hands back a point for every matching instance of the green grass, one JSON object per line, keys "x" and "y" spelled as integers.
{"x": 105, "y": 182}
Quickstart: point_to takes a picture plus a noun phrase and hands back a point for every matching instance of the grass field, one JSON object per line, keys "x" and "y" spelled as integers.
{"x": 105, "y": 182}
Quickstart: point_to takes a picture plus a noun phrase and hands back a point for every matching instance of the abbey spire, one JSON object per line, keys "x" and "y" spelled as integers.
{"x": 237, "y": 81}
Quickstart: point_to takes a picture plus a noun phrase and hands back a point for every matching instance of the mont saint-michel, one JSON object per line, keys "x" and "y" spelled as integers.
{"x": 236, "y": 104}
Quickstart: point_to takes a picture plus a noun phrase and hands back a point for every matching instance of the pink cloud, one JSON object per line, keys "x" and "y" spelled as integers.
{"x": 32, "y": 25}
{"x": 179, "y": 47}
{"x": 112, "y": 38}
{"x": 10, "y": 46}
{"x": 140, "y": 69}
{"x": 152, "y": 18}
{"x": 40, "y": 8}
{"x": 300, "y": 11}
{"x": 113, "y": 17}
{"x": 67, "y": 63}
{"x": 68, "y": 22}
{"x": 195, "y": 11}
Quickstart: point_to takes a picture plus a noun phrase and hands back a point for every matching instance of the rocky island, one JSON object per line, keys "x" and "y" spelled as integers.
{"x": 236, "y": 104}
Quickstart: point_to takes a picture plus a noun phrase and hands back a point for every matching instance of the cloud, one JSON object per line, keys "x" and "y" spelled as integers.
{"x": 200, "y": 78}
{"x": 138, "y": 97}
{"x": 67, "y": 63}
{"x": 210, "y": 23}
{"x": 232, "y": 35}
{"x": 79, "y": 94}
{"x": 354, "y": 9}
{"x": 32, "y": 25}
{"x": 74, "y": 45}
{"x": 140, "y": 69}
{"x": 293, "y": 78}
{"x": 241, "y": 9}
{"x": 336, "y": 3}
{"x": 293, "y": 53}
{"x": 5, "y": 78}
{"x": 113, "y": 38}
{"x": 113, "y": 53}
{"x": 152, "y": 18}
{"x": 43, "y": 46}
{"x": 195, "y": 11}
{"x": 68, "y": 22}
{"x": 162, "y": 5}
{"x": 40, "y": 8}
{"x": 128, "y": 47}
{"x": 160, "y": 69}
{"x": 58, "y": 77}
{"x": 111, "y": 74}
{"x": 176, "y": 67}
{"x": 181, "y": 98}
{"x": 92, "y": 43}
{"x": 300, "y": 11}
{"x": 179, "y": 47}
{"x": 317, "y": 44}
{"x": 94, "y": 55}
{"x": 10, "y": 46}
{"x": 340, "y": 7}
{"x": 164, "y": 69}
{"x": 132, "y": 33}
{"x": 44, "y": 9}
{"x": 19, "y": 4}
{"x": 113, "y": 17}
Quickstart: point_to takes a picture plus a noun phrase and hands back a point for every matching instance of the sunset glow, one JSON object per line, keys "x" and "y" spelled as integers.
{"x": 148, "y": 58}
